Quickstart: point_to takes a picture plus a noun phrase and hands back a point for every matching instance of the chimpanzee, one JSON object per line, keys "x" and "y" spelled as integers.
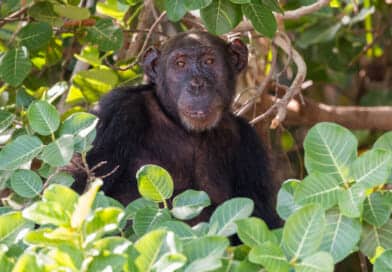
{"x": 181, "y": 121}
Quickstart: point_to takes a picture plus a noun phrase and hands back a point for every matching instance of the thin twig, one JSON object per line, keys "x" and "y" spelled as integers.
{"x": 14, "y": 15}
{"x": 302, "y": 11}
{"x": 148, "y": 36}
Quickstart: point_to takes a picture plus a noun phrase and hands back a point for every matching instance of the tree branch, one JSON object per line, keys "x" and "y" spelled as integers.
{"x": 302, "y": 11}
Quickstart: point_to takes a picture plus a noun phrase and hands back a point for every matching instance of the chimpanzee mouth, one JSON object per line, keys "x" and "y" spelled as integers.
{"x": 200, "y": 120}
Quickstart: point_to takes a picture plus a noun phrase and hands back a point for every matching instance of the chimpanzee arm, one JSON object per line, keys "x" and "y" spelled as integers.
{"x": 122, "y": 122}
{"x": 253, "y": 178}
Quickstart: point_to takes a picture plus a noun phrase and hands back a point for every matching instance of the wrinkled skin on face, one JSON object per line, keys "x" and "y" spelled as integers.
{"x": 195, "y": 75}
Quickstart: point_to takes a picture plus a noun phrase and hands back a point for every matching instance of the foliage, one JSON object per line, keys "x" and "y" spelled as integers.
{"x": 341, "y": 206}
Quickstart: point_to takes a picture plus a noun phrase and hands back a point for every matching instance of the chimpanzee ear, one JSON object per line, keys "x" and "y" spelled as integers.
{"x": 150, "y": 61}
{"x": 239, "y": 54}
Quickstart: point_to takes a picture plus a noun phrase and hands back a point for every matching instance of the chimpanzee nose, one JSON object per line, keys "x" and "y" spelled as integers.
{"x": 197, "y": 82}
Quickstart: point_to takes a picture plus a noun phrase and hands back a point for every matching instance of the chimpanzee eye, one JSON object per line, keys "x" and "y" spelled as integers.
{"x": 209, "y": 61}
{"x": 180, "y": 63}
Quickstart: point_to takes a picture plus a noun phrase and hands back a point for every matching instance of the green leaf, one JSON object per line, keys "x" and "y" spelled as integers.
{"x": 203, "y": 254}
{"x": 384, "y": 142}
{"x": 72, "y": 12}
{"x": 319, "y": 262}
{"x": 189, "y": 204}
{"x": 303, "y": 231}
{"x": 149, "y": 247}
{"x": 221, "y": 16}
{"x": 85, "y": 202}
{"x": 56, "y": 91}
{"x": 43, "y": 117}
{"x": 240, "y": 1}
{"x": 196, "y": 4}
{"x": 11, "y": 225}
{"x": 351, "y": 201}
{"x": 61, "y": 178}
{"x": 154, "y": 183}
{"x": 175, "y": 9}
{"x": 170, "y": 262}
{"x": 136, "y": 205}
{"x": 377, "y": 209}
{"x": 180, "y": 229}
{"x": 285, "y": 200}
{"x": 20, "y": 151}
{"x": 112, "y": 244}
{"x": 27, "y": 263}
{"x": 26, "y": 183}
{"x": 149, "y": 218}
{"x": 273, "y": 5}
{"x": 384, "y": 262}
{"x": 48, "y": 212}
{"x": 102, "y": 221}
{"x": 68, "y": 199}
{"x": 261, "y": 17}
{"x": 330, "y": 148}
{"x": 223, "y": 218}
{"x": 106, "y": 35}
{"x": 109, "y": 262}
{"x": 270, "y": 256}
{"x": 319, "y": 34}
{"x": 341, "y": 235}
{"x": 59, "y": 152}
{"x": 47, "y": 237}
{"x": 6, "y": 119}
{"x": 35, "y": 35}
{"x": 318, "y": 188}
{"x": 43, "y": 11}
{"x": 372, "y": 169}
{"x": 373, "y": 237}
{"x": 15, "y": 66}
{"x": 254, "y": 232}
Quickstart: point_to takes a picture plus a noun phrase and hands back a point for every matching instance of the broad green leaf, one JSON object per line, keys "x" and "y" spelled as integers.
{"x": 26, "y": 183}
{"x": 261, "y": 17}
{"x": 68, "y": 199}
{"x": 12, "y": 224}
{"x": 203, "y": 254}
{"x": 116, "y": 244}
{"x": 15, "y": 65}
{"x": 318, "y": 34}
{"x": 372, "y": 169}
{"x": 221, "y": 16}
{"x": 6, "y": 119}
{"x": 285, "y": 200}
{"x": 117, "y": 10}
{"x": 106, "y": 35}
{"x": 318, "y": 188}
{"x": 384, "y": 142}
{"x": 330, "y": 148}
{"x": 102, "y": 221}
{"x": 384, "y": 262}
{"x": 136, "y": 205}
{"x": 175, "y": 9}
{"x": 319, "y": 262}
{"x": 149, "y": 247}
{"x": 72, "y": 12}
{"x": 43, "y": 117}
{"x": 59, "y": 152}
{"x": 196, "y": 4}
{"x": 47, "y": 213}
{"x": 341, "y": 235}
{"x": 90, "y": 54}
{"x": 56, "y": 91}
{"x": 67, "y": 256}
{"x": 189, "y": 204}
{"x": 201, "y": 229}
{"x": 351, "y": 201}
{"x": 270, "y": 256}
{"x": 273, "y": 5}
{"x": 35, "y": 35}
{"x": 222, "y": 221}
{"x": 43, "y": 12}
{"x": 373, "y": 237}
{"x": 107, "y": 262}
{"x": 303, "y": 231}
{"x": 180, "y": 229}
{"x": 23, "y": 99}
{"x": 377, "y": 209}
{"x": 57, "y": 237}
{"x": 61, "y": 178}
{"x": 85, "y": 203}
{"x": 254, "y": 232}
{"x": 149, "y": 218}
{"x": 79, "y": 124}
{"x": 20, "y": 151}
{"x": 27, "y": 263}
{"x": 170, "y": 262}
{"x": 154, "y": 183}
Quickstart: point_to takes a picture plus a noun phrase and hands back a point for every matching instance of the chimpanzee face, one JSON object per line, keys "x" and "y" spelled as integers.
{"x": 195, "y": 77}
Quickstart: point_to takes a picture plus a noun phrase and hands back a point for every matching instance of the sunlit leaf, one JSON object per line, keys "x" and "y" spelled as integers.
{"x": 15, "y": 65}
{"x": 43, "y": 117}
